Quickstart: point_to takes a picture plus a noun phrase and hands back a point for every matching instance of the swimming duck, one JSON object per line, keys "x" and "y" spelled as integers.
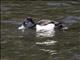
{"x": 42, "y": 25}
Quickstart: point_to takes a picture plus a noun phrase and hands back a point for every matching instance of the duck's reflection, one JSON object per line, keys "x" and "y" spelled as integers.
{"x": 45, "y": 34}
{"x": 48, "y": 43}
{"x": 51, "y": 52}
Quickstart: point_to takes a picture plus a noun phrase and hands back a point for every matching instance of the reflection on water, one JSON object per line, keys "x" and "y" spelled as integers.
{"x": 28, "y": 45}
{"x": 45, "y": 34}
{"x": 49, "y": 42}
{"x": 52, "y": 52}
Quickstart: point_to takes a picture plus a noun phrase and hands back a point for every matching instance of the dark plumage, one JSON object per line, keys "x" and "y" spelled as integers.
{"x": 29, "y": 23}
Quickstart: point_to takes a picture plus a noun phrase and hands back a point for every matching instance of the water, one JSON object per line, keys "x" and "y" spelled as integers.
{"x": 17, "y": 45}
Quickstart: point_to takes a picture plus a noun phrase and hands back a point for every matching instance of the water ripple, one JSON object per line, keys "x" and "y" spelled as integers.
{"x": 52, "y": 52}
{"x": 49, "y": 42}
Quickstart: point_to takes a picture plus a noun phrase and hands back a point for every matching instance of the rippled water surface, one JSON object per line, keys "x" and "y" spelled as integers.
{"x": 17, "y": 45}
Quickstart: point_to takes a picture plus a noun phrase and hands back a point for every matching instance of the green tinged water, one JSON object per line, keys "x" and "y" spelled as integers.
{"x": 16, "y": 45}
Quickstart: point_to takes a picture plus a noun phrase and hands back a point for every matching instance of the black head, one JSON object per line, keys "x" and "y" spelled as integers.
{"x": 29, "y": 19}
{"x": 52, "y": 22}
{"x": 28, "y": 22}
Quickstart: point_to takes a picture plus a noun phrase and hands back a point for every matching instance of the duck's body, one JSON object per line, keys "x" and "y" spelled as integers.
{"x": 41, "y": 26}
{"x": 45, "y": 25}
{"x": 46, "y": 30}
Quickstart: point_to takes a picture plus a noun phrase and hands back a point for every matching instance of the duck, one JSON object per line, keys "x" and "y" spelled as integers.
{"x": 41, "y": 26}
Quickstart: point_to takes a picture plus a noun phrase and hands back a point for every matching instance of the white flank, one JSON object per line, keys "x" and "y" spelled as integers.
{"x": 48, "y": 27}
{"x": 45, "y": 31}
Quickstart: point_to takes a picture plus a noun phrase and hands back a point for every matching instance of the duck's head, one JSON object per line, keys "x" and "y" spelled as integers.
{"x": 29, "y": 19}
{"x": 27, "y": 23}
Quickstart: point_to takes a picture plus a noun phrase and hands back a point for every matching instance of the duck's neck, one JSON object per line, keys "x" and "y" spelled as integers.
{"x": 24, "y": 23}
{"x": 32, "y": 21}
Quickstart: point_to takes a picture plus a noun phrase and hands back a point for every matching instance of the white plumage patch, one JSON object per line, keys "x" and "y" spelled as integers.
{"x": 48, "y": 27}
{"x": 45, "y": 31}
{"x": 21, "y": 27}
